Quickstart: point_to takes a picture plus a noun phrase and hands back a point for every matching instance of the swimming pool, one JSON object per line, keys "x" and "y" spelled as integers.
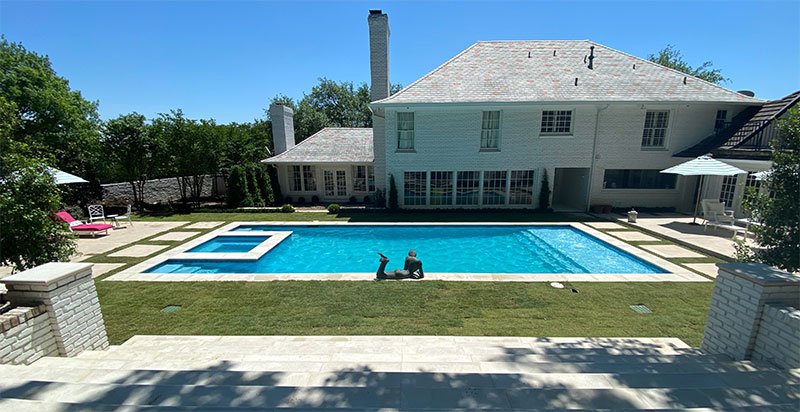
{"x": 495, "y": 249}
{"x": 229, "y": 244}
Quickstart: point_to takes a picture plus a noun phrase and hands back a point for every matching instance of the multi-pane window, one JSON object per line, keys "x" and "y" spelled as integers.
{"x": 638, "y": 179}
{"x": 468, "y": 186}
{"x": 521, "y": 187}
{"x": 490, "y": 130}
{"x": 556, "y": 122}
{"x": 363, "y": 179}
{"x": 405, "y": 130}
{"x": 720, "y": 121}
{"x": 341, "y": 183}
{"x": 330, "y": 184}
{"x": 414, "y": 188}
{"x": 297, "y": 179}
{"x": 655, "y": 128}
{"x": 494, "y": 187}
{"x": 728, "y": 189}
{"x": 309, "y": 182}
{"x": 441, "y": 188}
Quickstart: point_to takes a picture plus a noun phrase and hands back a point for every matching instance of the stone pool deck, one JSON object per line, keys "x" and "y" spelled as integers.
{"x": 676, "y": 273}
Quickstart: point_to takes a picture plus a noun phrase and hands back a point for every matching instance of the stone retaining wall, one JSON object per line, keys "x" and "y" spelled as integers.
{"x": 158, "y": 190}
{"x": 26, "y": 336}
{"x": 778, "y": 338}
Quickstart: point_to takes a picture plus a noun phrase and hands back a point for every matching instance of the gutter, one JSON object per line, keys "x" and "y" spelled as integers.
{"x": 594, "y": 157}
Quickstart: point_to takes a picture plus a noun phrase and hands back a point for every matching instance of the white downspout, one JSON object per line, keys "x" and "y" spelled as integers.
{"x": 594, "y": 156}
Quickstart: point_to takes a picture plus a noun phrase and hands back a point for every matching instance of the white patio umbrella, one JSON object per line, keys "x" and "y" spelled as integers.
{"x": 63, "y": 178}
{"x": 762, "y": 175}
{"x": 703, "y": 166}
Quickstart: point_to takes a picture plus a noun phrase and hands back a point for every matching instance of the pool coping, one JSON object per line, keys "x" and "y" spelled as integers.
{"x": 675, "y": 273}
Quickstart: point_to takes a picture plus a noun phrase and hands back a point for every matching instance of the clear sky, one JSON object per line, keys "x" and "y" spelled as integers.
{"x": 226, "y": 60}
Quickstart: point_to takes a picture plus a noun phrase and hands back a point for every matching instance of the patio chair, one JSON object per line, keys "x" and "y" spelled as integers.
{"x": 96, "y": 212}
{"x": 126, "y": 216}
{"x": 717, "y": 216}
{"x": 76, "y": 226}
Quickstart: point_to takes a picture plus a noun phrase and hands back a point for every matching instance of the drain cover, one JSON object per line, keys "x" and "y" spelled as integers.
{"x": 644, "y": 310}
{"x": 170, "y": 309}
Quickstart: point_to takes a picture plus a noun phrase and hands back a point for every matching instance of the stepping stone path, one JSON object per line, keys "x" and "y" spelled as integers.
{"x": 671, "y": 251}
{"x": 709, "y": 269}
{"x": 175, "y": 236}
{"x": 604, "y": 225}
{"x": 633, "y": 236}
{"x": 203, "y": 225}
{"x": 138, "y": 251}
{"x": 103, "y": 268}
{"x": 417, "y": 373}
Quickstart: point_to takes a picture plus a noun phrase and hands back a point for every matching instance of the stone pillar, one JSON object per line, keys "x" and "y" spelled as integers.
{"x": 68, "y": 293}
{"x": 741, "y": 291}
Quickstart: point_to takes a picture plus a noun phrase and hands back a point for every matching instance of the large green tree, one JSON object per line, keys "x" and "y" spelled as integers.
{"x": 779, "y": 213}
{"x": 330, "y": 104}
{"x": 132, "y": 149}
{"x": 672, "y": 58}
{"x": 51, "y": 119}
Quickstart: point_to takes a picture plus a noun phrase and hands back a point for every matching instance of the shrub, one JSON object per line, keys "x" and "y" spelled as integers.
{"x": 301, "y": 200}
{"x": 380, "y": 199}
{"x": 544, "y": 193}
{"x": 287, "y": 208}
{"x": 353, "y": 199}
{"x": 367, "y": 199}
{"x": 253, "y": 187}
{"x": 392, "y": 194}
{"x": 334, "y": 208}
{"x": 315, "y": 199}
{"x": 272, "y": 172}
{"x": 238, "y": 194}
{"x": 264, "y": 185}
{"x": 287, "y": 199}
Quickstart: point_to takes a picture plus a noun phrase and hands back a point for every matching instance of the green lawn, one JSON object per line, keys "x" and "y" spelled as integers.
{"x": 398, "y": 308}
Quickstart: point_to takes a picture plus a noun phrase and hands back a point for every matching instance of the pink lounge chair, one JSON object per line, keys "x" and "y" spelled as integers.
{"x": 76, "y": 226}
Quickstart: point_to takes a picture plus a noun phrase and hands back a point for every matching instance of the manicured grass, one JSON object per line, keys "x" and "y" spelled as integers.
{"x": 404, "y": 308}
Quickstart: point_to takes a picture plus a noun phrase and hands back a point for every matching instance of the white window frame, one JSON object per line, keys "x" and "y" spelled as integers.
{"x": 369, "y": 178}
{"x": 410, "y": 132}
{"x": 485, "y": 131}
{"x": 649, "y": 139}
{"x": 556, "y": 113}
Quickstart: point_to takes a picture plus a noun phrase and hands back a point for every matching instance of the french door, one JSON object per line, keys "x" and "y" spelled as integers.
{"x": 335, "y": 182}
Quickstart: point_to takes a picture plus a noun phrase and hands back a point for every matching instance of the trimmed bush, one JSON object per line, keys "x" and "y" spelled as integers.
{"x": 287, "y": 208}
{"x": 392, "y": 194}
{"x": 238, "y": 191}
{"x": 334, "y": 208}
{"x": 301, "y": 200}
{"x": 287, "y": 199}
{"x": 255, "y": 191}
{"x": 380, "y": 199}
{"x": 353, "y": 199}
{"x": 315, "y": 199}
{"x": 272, "y": 172}
{"x": 544, "y": 193}
{"x": 264, "y": 185}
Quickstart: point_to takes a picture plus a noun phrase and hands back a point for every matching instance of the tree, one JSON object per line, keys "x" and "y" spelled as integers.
{"x": 132, "y": 147}
{"x": 393, "y": 205}
{"x": 28, "y": 195}
{"x": 262, "y": 175}
{"x": 50, "y": 118}
{"x": 672, "y": 58}
{"x": 779, "y": 214}
{"x": 544, "y": 193}
{"x": 238, "y": 194}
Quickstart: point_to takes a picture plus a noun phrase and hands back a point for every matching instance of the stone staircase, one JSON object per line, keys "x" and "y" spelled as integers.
{"x": 216, "y": 373}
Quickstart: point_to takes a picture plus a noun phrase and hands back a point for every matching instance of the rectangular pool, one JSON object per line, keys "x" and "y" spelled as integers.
{"x": 442, "y": 249}
{"x": 229, "y": 244}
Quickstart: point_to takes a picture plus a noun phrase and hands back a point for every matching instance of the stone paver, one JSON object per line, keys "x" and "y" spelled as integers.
{"x": 633, "y": 236}
{"x": 671, "y": 251}
{"x": 709, "y": 269}
{"x": 204, "y": 225}
{"x": 103, "y": 268}
{"x": 120, "y": 237}
{"x": 175, "y": 236}
{"x": 138, "y": 251}
{"x": 604, "y": 225}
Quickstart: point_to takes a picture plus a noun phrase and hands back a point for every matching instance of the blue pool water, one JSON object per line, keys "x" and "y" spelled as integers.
{"x": 229, "y": 244}
{"x": 463, "y": 249}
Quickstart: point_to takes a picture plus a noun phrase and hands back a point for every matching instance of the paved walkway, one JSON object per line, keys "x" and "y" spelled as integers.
{"x": 397, "y": 372}
{"x": 89, "y": 246}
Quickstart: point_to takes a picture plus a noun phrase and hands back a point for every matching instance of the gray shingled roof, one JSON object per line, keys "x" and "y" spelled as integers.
{"x": 501, "y": 71}
{"x": 331, "y": 145}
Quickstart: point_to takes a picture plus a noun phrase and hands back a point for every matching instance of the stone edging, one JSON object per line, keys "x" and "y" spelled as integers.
{"x": 20, "y": 315}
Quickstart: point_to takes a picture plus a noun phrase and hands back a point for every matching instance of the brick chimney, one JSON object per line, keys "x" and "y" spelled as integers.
{"x": 378, "y": 55}
{"x": 282, "y": 118}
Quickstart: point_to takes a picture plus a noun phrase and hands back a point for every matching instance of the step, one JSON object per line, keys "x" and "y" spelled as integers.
{"x": 413, "y": 398}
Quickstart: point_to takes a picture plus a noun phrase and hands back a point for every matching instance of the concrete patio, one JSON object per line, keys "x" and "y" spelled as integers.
{"x": 89, "y": 246}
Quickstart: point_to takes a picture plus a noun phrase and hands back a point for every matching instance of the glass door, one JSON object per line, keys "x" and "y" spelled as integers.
{"x": 335, "y": 182}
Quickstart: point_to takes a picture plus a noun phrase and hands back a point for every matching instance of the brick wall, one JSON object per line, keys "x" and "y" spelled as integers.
{"x": 26, "y": 336}
{"x": 778, "y": 338}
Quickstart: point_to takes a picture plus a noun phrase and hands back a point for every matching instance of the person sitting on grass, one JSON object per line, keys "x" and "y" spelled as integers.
{"x": 412, "y": 268}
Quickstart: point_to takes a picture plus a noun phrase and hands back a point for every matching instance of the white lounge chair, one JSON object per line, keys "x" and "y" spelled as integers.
{"x": 717, "y": 216}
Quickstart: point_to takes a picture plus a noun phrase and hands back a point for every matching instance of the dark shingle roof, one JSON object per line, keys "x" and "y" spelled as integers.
{"x": 545, "y": 70}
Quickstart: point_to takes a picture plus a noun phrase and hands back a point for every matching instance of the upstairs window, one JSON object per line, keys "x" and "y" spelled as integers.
{"x": 556, "y": 122}
{"x": 655, "y": 128}
{"x": 721, "y": 121}
{"x": 490, "y": 130}
{"x": 405, "y": 131}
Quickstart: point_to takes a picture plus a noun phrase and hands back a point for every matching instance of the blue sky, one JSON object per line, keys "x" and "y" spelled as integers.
{"x": 226, "y": 60}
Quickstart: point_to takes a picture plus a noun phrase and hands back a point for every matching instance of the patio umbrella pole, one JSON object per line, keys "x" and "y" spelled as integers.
{"x": 697, "y": 202}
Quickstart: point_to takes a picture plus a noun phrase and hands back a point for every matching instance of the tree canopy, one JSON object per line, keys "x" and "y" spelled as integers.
{"x": 672, "y": 58}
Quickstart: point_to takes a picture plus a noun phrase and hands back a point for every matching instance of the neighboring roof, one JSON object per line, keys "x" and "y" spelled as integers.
{"x": 502, "y": 71}
{"x": 749, "y": 131}
{"x": 331, "y": 145}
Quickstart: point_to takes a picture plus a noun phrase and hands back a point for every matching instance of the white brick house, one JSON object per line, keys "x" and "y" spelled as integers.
{"x": 481, "y": 130}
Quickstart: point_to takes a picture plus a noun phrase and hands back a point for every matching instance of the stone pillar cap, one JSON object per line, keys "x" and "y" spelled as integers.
{"x": 48, "y": 274}
{"x": 760, "y": 273}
